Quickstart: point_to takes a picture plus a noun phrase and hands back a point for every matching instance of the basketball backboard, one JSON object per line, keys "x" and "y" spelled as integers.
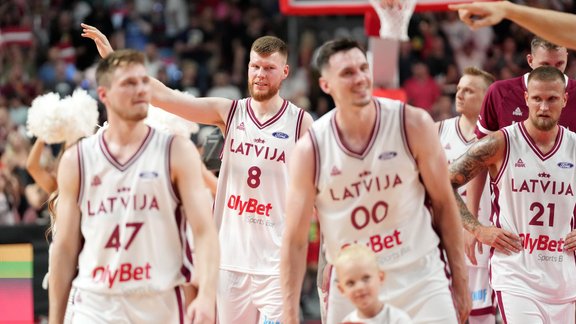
{"x": 350, "y": 7}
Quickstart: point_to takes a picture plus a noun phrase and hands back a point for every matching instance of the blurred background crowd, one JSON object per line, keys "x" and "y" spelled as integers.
{"x": 202, "y": 47}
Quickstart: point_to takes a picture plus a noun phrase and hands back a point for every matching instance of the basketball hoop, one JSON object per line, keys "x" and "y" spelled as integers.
{"x": 394, "y": 16}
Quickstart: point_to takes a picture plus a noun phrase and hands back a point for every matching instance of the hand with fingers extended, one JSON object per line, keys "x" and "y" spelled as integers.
{"x": 570, "y": 242}
{"x": 502, "y": 240}
{"x": 102, "y": 43}
{"x": 479, "y": 14}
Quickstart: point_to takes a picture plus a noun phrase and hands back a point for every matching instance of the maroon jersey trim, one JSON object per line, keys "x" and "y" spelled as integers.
{"x": 461, "y": 135}
{"x": 506, "y": 157}
{"x": 132, "y": 159}
{"x": 316, "y": 151}
{"x": 373, "y": 135}
{"x": 270, "y": 121}
{"x": 299, "y": 124}
{"x": 231, "y": 113}
{"x": 168, "y": 164}
{"x": 535, "y": 148}
{"x": 81, "y": 174}
{"x": 404, "y": 135}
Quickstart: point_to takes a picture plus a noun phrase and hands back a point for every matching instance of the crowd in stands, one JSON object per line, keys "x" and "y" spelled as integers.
{"x": 201, "y": 47}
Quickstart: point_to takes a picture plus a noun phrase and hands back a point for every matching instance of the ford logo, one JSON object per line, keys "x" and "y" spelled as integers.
{"x": 387, "y": 155}
{"x": 148, "y": 174}
{"x": 565, "y": 165}
{"x": 280, "y": 135}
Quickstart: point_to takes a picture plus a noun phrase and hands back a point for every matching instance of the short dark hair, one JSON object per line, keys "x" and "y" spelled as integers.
{"x": 546, "y": 73}
{"x": 268, "y": 45}
{"x": 116, "y": 59}
{"x": 328, "y": 49}
{"x": 540, "y": 42}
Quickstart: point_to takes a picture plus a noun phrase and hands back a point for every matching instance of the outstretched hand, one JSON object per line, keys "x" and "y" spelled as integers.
{"x": 503, "y": 241}
{"x": 479, "y": 14}
{"x": 102, "y": 43}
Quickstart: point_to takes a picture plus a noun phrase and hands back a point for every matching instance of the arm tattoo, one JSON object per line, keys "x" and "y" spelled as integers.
{"x": 467, "y": 167}
{"x": 473, "y": 161}
{"x": 469, "y": 221}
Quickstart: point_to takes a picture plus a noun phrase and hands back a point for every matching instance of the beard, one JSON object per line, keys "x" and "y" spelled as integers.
{"x": 544, "y": 124}
{"x": 263, "y": 95}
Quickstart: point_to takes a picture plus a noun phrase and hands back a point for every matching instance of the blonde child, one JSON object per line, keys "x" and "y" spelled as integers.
{"x": 360, "y": 279}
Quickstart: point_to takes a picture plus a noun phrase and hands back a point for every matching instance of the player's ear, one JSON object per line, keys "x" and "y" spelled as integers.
{"x": 381, "y": 276}
{"x": 286, "y": 71}
{"x": 340, "y": 287}
{"x": 324, "y": 85}
{"x": 526, "y": 97}
{"x": 530, "y": 59}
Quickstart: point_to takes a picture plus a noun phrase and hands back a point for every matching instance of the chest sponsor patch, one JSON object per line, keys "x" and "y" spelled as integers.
{"x": 280, "y": 135}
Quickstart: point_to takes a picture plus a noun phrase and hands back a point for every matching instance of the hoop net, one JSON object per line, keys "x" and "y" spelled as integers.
{"x": 394, "y": 16}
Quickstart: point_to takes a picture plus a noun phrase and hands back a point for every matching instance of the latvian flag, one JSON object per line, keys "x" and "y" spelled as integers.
{"x": 16, "y": 35}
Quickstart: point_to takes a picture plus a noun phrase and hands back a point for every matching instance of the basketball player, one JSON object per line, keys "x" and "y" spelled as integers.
{"x": 367, "y": 166}
{"x": 505, "y": 104}
{"x": 552, "y": 25}
{"x": 249, "y": 208}
{"x": 456, "y": 136}
{"x": 531, "y": 165}
{"x": 122, "y": 191}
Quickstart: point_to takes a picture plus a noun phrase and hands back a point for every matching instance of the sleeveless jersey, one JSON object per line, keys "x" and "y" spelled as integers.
{"x": 534, "y": 198}
{"x": 132, "y": 224}
{"x": 250, "y": 200}
{"x": 374, "y": 197}
{"x": 455, "y": 144}
{"x": 504, "y": 105}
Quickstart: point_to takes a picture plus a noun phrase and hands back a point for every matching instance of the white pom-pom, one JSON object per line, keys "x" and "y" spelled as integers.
{"x": 82, "y": 112}
{"x": 170, "y": 123}
{"x": 44, "y": 121}
{"x": 57, "y": 121}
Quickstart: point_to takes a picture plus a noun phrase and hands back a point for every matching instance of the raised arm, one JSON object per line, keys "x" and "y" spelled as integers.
{"x": 66, "y": 245}
{"x": 187, "y": 176}
{"x": 300, "y": 197}
{"x": 485, "y": 154}
{"x": 431, "y": 160}
{"x": 210, "y": 111}
{"x": 551, "y": 25}
{"x": 45, "y": 179}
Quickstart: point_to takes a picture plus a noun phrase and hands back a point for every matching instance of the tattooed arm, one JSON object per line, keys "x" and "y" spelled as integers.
{"x": 487, "y": 153}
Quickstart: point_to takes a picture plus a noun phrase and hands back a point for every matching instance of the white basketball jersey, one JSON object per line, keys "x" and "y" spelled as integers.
{"x": 374, "y": 197}
{"x": 132, "y": 222}
{"x": 455, "y": 145}
{"x": 250, "y": 200}
{"x": 534, "y": 198}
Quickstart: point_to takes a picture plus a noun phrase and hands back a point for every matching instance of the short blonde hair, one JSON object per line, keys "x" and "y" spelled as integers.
{"x": 355, "y": 252}
{"x": 114, "y": 60}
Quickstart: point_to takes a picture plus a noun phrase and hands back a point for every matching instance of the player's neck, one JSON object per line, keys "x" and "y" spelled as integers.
{"x": 371, "y": 311}
{"x": 467, "y": 125}
{"x": 265, "y": 109}
{"x": 544, "y": 140}
{"x": 356, "y": 125}
{"x": 124, "y": 139}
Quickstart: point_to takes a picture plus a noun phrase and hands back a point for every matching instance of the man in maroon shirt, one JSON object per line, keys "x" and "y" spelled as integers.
{"x": 504, "y": 103}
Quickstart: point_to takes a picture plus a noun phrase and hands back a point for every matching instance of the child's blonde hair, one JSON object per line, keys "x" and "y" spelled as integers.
{"x": 354, "y": 252}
